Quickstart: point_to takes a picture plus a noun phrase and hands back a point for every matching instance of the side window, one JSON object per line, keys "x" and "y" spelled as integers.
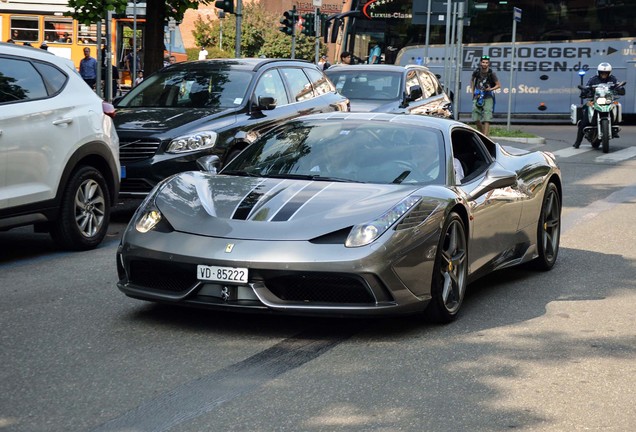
{"x": 469, "y": 151}
{"x": 270, "y": 84}
{"x": 411, "y": 80}
{"x": 320, "y": 82}
{"x": 298, "y": 83}
{"x": 19, "y": 81}
{"x": 54, "y": 78}
{"x": 429, "y": 87}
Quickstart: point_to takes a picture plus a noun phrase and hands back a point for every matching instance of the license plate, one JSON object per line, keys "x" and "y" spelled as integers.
{"x": 123, "y": 172}
{"x": 222, "y": 274}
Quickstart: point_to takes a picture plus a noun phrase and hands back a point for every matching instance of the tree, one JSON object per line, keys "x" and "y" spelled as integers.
{"x": 259, "y": 35}
{"x": 157, "y": 13}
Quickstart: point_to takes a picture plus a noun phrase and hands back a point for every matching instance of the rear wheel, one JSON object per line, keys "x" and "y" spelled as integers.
{"x": 449, "y": 272}
{"x": 605, "y": 131}
{"x": 548, "y": 229}
{"x": 84, "y": 211}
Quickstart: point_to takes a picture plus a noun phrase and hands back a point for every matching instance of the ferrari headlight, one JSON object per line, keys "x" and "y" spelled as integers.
{"x": 196, "y": 141}
{"x": 365, "y": 233}
{"x": 147, "y": 215}
{"x": 148, "y": 221}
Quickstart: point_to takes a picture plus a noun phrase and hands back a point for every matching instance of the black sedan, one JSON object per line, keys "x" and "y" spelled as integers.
{"x": 211, "y": 107}
{"x": 318, "y": 217}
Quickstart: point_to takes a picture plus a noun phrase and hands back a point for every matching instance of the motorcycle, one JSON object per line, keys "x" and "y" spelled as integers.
{"x": 604, "y": 113}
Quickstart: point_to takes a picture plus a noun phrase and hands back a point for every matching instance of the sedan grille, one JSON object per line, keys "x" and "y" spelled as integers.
{"x": 320, "y": 288}
{"x": 133, "y": 151}
{"x": 138, "y": 187}
{"x": 162, "y": 276}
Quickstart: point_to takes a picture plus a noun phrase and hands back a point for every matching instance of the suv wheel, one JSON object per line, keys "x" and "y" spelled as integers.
{"x": 84, "y": 211}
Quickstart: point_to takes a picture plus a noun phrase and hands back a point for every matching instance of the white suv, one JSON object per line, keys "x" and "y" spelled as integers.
{"x": 59, "y": 152}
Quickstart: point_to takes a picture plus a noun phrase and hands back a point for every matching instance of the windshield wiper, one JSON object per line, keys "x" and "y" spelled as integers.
{"x": 399, "y": 179}
{"x": 316, "y": 177}
{"x": 240, "y": 173}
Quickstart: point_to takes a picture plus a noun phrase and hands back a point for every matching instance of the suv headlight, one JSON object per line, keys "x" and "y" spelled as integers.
{"x": 196, "y": 141}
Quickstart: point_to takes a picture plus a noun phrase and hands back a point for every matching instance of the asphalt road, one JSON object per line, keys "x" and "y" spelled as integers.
{"x": 531, "y": 351}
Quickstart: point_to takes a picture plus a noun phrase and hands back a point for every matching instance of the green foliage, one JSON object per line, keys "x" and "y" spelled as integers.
{"x": 259, "y": 35}
{"x": 91, "y": 11}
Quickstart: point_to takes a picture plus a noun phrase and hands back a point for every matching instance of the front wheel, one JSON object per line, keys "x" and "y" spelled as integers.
{"x": 548, "y": 229}
{"x": 605, "y": 131}
{"x": 449, "y": 272}
{"x": 84, "y": 211}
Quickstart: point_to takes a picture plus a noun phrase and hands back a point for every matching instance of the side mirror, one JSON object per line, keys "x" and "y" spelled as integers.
{"x": 266, "y": 103}
{"x": 209, "y": 163}
{"x": 496, "y": 178}
{"x": 415, "y": 92}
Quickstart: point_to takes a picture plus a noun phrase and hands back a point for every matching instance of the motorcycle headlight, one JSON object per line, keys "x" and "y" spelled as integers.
{"x": 363, "y": 234}
{"x": 604, "y": 100}
{"x": 196, "y": 141}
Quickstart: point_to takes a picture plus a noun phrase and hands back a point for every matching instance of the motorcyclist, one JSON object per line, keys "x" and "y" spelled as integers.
{"x": 603, "y": 76}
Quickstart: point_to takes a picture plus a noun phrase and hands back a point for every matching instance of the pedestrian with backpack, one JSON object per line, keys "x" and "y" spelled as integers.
{"x": 483, "y": 84}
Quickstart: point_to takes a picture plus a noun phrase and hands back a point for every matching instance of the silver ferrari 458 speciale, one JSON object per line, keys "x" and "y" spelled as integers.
{"x": 345, "y": 214}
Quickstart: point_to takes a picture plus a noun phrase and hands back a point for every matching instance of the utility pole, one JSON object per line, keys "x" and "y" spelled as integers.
{"x": 239, "y": 16}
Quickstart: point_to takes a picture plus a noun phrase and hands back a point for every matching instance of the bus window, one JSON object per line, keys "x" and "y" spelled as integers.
{"x": 87, "y": 34}
{"x": 25, "y": 29}
{"x": 58, "y": 30}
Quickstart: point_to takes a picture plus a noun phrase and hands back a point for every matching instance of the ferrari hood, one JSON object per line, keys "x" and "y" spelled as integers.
{"x": 271, "y": 209}
{"x": 160, "y": 119}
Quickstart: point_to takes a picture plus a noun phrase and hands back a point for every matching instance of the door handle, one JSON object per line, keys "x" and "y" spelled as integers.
{"x": 62, "y": 121}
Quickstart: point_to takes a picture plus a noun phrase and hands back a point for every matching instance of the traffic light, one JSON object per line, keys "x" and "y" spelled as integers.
{"x": 309, "y": 24}
{"x": 475, "y": 6}
{"x": 225, "y": 5}
{"x": 288, "y": 21}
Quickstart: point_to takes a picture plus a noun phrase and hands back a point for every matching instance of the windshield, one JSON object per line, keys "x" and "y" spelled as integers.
{"x": 374, "y": 85}
{"x": 344, "y": 150}
{"x": 201, "y": 87}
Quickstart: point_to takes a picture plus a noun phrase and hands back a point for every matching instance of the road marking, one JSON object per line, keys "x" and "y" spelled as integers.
{"x": 571, "y": 151}
{"x": 617, "y": 156}
{"x": 584, "y": 214}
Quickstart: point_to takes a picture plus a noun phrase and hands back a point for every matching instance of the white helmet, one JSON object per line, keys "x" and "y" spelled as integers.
{"x": 604, "y": 67}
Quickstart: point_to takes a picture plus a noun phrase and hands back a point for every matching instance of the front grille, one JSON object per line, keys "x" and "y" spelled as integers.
{"x": 320, "y": 288}
{"x": 134, "y": 187}
{"x": 137, "y": 150}
{"x": 162, "y": 276}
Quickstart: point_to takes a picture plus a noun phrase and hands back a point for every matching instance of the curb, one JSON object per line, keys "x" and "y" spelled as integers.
{"x": 536, "y": 140}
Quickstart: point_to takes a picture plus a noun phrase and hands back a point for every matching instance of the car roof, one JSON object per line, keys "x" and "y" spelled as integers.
{"x": 33, "y": 53}
{"x": 374, "y": 67}
{"x": 252, "y": 64}
{"x": 416, "y": 120}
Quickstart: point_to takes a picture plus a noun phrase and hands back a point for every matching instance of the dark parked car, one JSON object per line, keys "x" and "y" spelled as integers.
{"x": 211, "y": 107}
{"x": 392, "y": 89}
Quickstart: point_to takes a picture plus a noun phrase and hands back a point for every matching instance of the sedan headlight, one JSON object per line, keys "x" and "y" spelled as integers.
{"x": 196, "y": 141}
{"x": 363, "y": 234}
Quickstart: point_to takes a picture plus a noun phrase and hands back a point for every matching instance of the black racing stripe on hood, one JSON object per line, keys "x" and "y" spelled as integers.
{"x": 292, "y": 206}
{"x": 251, "y": 199}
